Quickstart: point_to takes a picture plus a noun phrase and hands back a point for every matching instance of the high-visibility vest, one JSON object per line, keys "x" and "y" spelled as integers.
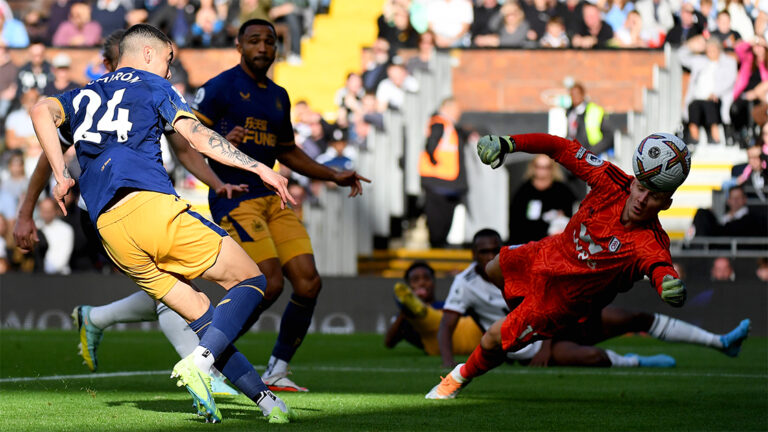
{"x": 446, "y": 154}
{"x": 593, "y": 119}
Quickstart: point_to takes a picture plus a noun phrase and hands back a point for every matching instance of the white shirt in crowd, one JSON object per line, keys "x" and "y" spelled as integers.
{"x": 61, "y": 241}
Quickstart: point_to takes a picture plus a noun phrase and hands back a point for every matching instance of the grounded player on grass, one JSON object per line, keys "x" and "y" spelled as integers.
{"x": 253, "y": 113}
{"x": 473, "y": 295}
{"x": 148, "y": 231}
{"x": 613, "y": 240}
{"x": 419, "y": 318}
{"x": 138, "y": 307}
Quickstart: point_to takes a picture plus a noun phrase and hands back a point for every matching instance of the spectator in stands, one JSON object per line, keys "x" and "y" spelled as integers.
{"x": 58, "y": 13}
{"x": 690, "y": 24}
{"x": 741, "y": 21}
{"x": 515, "y": 31}
{"x": 657, "y": 15}
{"x": 631, "y": 34}
{"x": 422, "y": 61}
{"x": 755, "y": 173}
{"x": 14, "y": 181}
{"x": 738, "y": 221}
{"x": 179, "y": 73}
{"x": 617, "y": 13}
{"x": 36, "y": 24}
{"x": 36, "y": 73}
{"x": 587, "y": 123}
{"x": 710, "y": 87}
{"x": 208, "y": 29}
{"x": 60, "y": 237}
{"x": 396, "y": 28}
{"x": 12, "y": 31}
{"x": 594, "y": 33}
{"x": 709, "y": 15}
{"x": 110, "y": 14}
{"x": 135, "y": 16}
{"x": 175, "y": 19}
{"x": 722, "y": 270}
{"x": 441, "y": 169}
{"x": 752, "y": 71}
{"x": 79, "y": 30}
{"x": 316, "y": 143}
{"x": 762, "y": 269}
{"x": 537, "y": 14}
{"x": 62, "y": 79}
{"x": 289, "y": 12}
{"x": 724, "y": 33}
{"x": 364, "y": 119}
{"x": 542, "y": 205}
{"x": 339, "y": 155}
{"x": 19, "y": 132}
{"x": 348, "y": 98}
{"x": 391, "y": 92}
{"x": 570, "y": 11}
{"x": 487, "y": 20}
{"x": 555, "y": 36}
{"x": 449, "y": 20}
{"x": 376, "y": 69}
{"x": 8, "y": 74}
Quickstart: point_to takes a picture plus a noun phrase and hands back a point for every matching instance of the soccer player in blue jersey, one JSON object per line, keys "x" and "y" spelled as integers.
{"x": 91, "y": 321}
{"x": 253, "y": 112}
{"x": 151, "y": 233}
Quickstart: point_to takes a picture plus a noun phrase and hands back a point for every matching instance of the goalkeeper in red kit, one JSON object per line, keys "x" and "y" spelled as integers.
{"x": 613, "y": 240}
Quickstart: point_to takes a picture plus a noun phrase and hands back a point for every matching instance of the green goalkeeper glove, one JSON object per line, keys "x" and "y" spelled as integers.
{"x": 673, "y": 291}
{"x": 493, "y": 149}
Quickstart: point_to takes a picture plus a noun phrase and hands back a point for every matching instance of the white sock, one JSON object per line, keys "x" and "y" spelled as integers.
{"x": 275, "y": 366}
{"x": 618, "y": 360}
{"x": 267, "y": 401}
{"x": 176, "y": 330}
{"x": 456, "y": 374}
{"x": 673, "y": 330}
{"x": 203, "y": 359}
{"x": 137, "y": 307}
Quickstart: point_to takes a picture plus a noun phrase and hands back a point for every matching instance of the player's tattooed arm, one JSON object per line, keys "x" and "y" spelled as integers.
{"x": 46, "y": 115}
{"x": 216, "y": 147}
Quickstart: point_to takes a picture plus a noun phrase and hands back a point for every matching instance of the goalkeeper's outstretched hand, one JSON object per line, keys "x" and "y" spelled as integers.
{"x": 493, "y": 149}
{"x": 673, "y": 291}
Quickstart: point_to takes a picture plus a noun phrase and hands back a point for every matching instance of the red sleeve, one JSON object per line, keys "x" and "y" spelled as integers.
{"x": 655, "y": 259}
{"x": 577, "y": 159}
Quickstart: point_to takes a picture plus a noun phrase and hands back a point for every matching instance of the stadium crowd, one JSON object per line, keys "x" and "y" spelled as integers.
{"x": 725, "y": 89}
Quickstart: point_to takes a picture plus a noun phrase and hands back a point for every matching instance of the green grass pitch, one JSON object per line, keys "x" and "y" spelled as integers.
{"x": 356, "y": 384}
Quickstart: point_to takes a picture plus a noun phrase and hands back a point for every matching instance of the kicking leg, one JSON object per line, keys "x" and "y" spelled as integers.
{"x": 673, "y": 330}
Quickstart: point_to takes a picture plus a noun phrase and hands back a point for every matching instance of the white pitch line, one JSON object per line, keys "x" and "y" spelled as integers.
{"x": 505, "y": 371}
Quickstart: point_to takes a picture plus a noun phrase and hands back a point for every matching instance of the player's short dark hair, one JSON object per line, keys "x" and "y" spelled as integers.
{"x": 145, "y": 31}
{"x": 110, "y": 43}
{"x": 486, "y": 232}
{"x": 418, "y": 264}
{"x": 253, "y": 22}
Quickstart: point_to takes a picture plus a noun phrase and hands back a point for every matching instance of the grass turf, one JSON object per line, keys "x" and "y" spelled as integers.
{"x": 356, "y": 384}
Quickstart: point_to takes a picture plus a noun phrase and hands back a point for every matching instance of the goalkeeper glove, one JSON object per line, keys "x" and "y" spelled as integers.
{"x": 673, "y": 291}
{"x": 493, "y": 149}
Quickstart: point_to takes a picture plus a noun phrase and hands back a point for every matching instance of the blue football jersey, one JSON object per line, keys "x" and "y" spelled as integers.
{"x": 231, "y": 99}
{"x": 115, "y": 124}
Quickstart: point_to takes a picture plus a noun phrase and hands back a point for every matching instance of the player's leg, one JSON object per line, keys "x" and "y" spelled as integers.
{"x": 295, "y": 322}
{"x": 568, "y": 353}
{"x": 486, "y": 356}
{"x": 92, "y": 320}
{"x": 424, "y": 319}
{"x": 671, "y": 329}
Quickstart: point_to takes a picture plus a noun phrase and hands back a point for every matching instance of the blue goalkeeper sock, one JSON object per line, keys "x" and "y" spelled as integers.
{"x": 293, "y": 326}
{"x": 236, "y": 367}
{"x": 231, "y": 314}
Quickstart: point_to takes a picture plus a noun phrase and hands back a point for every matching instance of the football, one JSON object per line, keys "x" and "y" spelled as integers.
{"x": 661, "y": 162}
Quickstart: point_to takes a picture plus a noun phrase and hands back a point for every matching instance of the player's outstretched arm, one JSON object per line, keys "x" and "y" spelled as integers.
{"x": 46, "y": 116}
{"x": 297, "y": 160}
{"x": 445, "y": 336}
{"x": 194, "y": 162}
{"x": 216, "y": 147}
{"x": 673, "y": 291}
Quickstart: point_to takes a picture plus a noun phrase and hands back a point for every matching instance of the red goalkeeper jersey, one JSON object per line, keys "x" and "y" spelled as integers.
{"x": 596, "y": 255}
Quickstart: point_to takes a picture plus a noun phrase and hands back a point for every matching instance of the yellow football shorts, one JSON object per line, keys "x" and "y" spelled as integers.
{"x": 465, "y": 338}
{"x": 154, "y": 238}
{"x": 266, "y": 231}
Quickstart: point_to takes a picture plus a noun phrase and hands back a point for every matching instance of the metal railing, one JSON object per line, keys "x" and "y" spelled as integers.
{"x": 712, "y": 247}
